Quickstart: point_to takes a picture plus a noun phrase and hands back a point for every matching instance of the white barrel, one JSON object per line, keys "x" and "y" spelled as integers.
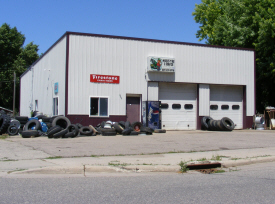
{"x": 259, "y": 120}
{"x": 272, "y": 124}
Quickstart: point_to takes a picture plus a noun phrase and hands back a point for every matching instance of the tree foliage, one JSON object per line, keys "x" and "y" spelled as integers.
{"x": 248, "y": 24}
{"x": 14, "y": 57}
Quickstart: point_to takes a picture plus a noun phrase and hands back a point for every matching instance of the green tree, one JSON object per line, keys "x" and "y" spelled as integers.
{"x": 14, "y": 57}
{"x": 248, "y": 24}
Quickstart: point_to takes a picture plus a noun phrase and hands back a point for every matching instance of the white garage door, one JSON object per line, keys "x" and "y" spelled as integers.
{"x": 227, "y": 101}
{"x": 178, "y": 106}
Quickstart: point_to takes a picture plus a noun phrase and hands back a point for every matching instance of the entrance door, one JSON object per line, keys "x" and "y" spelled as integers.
{"x": 133, "y": 109}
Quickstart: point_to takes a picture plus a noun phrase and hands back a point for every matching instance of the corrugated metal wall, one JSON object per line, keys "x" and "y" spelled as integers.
{"x": 153, "y": 91}
{"x": 26, "y": 94}
{"x": 38, "y": 84}
{"x": 128, "y": 59}
{"x": 204, "y": 99}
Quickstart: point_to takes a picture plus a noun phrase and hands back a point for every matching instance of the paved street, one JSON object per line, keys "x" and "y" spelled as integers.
{"x": 246, "y": 184}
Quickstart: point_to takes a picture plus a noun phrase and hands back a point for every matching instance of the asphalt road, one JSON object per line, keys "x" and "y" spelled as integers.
{"x": 246, "y": 184}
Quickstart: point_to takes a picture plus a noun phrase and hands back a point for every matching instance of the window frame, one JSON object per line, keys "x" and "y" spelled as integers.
{"x": 55, "y": 107}
{"x": 99, "y": 97}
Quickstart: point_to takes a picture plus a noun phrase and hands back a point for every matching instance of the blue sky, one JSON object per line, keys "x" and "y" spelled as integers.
{"x": 45, "y": 21}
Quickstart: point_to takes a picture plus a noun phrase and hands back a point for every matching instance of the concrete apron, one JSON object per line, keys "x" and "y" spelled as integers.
{"x": 24, "y": 156}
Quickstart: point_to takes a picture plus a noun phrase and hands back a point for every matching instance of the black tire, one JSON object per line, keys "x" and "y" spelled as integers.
{"x": 39, "y": 117}
{"x": 204, "y": 122}
{"x": 62, "y": 121}
{"x": 142, "y": 133}
{"x": 227, "y": 124}
{"x": 47, "y": 119}
{"x": 102, "y": 124}
{"x": 4, "y": 123}
{"x": 49, "y": 125}
{"x": 13, "y": 130}
{"x": 16, "y": 123}
{"x": 127, "y": 131}
{"x": 86, "y": 130}
{"x": 70, "y": 134}
{"x": 99, "y": 130}
{"x": 22, "y": 118}
{"x": 79, "y": 125}
{"x": 113, "y": 133}
{"x": 122, "y": 124}
{"x": 118, "y": 128}
{"x": 29, "y": 133}
{"x": 33, "y": 124}
{"x": 127, "y": 124}
{"x": 146, "y": 129}
{"x": 136, "y": 126}
{"x": 160, "y": 131}
{"x": 61, "y": 133}
{"x": 216, "y": 125}
{"x": 74, "y": 129}
{"x": 211, "y": 126}
{"x": 107, "y": 130}
{"x": 134, "y": 133}
{"x": 2, "y": 112}
{"x": 53, "y": 130}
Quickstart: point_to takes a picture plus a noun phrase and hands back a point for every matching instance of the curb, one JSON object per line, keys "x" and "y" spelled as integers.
{"x": 89, "y": 169}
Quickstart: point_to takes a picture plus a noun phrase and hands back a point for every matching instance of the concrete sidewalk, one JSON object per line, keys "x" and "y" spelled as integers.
{"x": 154, "y": 153}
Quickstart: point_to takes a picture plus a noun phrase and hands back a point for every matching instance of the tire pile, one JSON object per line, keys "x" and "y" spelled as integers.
{"x": 225, "y": 124}
{"x": 61, "y": 127}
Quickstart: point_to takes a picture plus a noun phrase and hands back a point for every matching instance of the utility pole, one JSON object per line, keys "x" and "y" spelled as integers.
{"x": 14, "y": 92}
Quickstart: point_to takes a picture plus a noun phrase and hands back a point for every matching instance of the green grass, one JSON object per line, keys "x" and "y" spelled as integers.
{"x": 201, "y": 159}
{"x": 117, "y": 164}
{"x": 56, "y": 157}
{"x": 219, "y": 171}
{"x": 183, "y": 167}
{"x": 4, "y": 136}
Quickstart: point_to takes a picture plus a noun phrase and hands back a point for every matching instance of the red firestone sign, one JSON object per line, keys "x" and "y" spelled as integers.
{"x": 96, "y": 78}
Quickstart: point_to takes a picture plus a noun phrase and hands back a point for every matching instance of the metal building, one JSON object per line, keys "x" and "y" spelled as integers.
{"x": 90, "y": 78}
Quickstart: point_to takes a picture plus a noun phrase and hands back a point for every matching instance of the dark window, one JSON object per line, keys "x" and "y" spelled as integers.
{"x": 225, "y": 107}
{"x": 188, "y": 106}
{"x": 214, "y": 107}
{"x": 176, "y": 106}
{"x": 235, "y": 107}
{"x": 98, "y": 106}
{"x": 164, "y": 106}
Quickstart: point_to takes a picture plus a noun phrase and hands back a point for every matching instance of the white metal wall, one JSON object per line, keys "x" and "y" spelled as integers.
{"x": 128, "y": 59}
{"x": 153, "y": 91}
{"x": 26, "y": 94}
{"x": 204, "y": 99}
{"x": 38, "y": 84}
{"x": 95, "y": 55}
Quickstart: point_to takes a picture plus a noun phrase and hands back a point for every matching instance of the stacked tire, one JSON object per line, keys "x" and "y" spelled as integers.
{"x": 225, "y": 124}
{"x": 4, "y": 122}
{"x": 61, "y": 127}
